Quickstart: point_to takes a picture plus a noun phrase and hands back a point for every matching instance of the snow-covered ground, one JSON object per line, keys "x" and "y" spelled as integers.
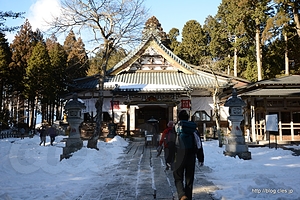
{"x": 30, "y": 171}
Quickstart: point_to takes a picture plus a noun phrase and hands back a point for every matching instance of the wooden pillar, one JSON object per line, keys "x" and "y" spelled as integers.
{"x": 252, "y": 114}
{"x": 128, "y": 120}
{"x": 280, "y": 126}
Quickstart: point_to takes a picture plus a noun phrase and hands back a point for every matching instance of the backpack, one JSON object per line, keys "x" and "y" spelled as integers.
{"x": 185, "y": 134}
{"x": 170, "y": 137}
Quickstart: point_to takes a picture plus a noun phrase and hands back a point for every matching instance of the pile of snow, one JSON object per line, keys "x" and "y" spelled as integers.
{"x": 270, "y": 174}
{"x": 30, "y": 171}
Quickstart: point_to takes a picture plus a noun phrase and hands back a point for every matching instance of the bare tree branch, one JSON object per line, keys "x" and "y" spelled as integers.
{"x": 120, "y": 21}
{"x": 114, "y": 23}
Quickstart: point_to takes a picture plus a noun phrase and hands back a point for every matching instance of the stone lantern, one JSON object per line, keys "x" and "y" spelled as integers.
{"x": 74, "y": 110}
{"x": 236, "y": 145}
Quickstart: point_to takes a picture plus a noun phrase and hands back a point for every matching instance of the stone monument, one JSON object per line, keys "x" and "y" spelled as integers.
{"x": 74, "y": 110}
{"x": 236, "y": 145}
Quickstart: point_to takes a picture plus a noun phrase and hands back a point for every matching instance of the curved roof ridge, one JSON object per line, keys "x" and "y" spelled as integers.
{"x": 129, "y": 56}
{"x": 174, "y": 56}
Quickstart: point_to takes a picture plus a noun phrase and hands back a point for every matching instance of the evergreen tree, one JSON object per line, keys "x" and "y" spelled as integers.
{"x": 38, "y": 79}
{"x": 57, "y": 71}
{"x": 285, "y": 24}
{"x": 287, "y": 13}
{"x": 231, "y": 17}
{"x": 5, "y": 59}
{"x": 21, "y": 48}
{"x": 77, "y": 58}
{"x": 193, "y": 46}
{"x": 257, "y": 14}
{"x": 173, "y": 34}
{"x": 219, "y": 46}
{"x": 153, "y": 26}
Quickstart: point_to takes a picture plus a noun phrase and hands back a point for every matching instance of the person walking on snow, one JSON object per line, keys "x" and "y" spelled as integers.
{"x": 52, "y": 134}
{"x": 168, "y": 139}
{"x": 188, "y": 147}
{"x": 43, "y": 134}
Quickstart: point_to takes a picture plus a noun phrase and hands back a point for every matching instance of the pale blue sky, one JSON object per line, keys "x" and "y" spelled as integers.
{"x": 175, "y": 13}
{"x": 170, "y": 13}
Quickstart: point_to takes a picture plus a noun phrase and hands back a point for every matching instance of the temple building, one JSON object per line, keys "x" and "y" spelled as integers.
{"x": 153, "y": 83}
{"x": 279, "y": 97}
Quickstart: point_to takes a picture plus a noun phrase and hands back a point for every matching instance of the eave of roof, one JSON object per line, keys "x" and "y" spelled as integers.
{"x": 162, "y": 79}
{"x": 272, "y": 93}
{"x": 152, "y": 81}
{"x": 285, "y": 80}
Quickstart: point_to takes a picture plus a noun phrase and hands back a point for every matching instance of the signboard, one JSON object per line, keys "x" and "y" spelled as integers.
{"x": 185, "y": 103}
{"x": 115, "y": 105}
{"x": 272, "y": 122}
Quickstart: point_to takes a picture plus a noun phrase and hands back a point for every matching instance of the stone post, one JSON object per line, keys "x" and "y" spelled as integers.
{"x": 75, "y": 117}
{"x": 236, "y": 145}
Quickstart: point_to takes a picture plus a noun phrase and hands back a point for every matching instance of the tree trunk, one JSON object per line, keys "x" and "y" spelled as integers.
{"x": 286, "y": 58}
{"x": 20, "y": 109}
{"x": 31, "y": 124}
{"x": 217, "y": 114}
{"x": 235, "y": 59}
{"x": 92, "y": 142}
{"x": 35, "y": 112}
{"x": 258, "y": 54}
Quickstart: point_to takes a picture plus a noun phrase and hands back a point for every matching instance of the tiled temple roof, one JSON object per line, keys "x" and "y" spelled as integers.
{"x": 182, "y": 77}
{"x": 284, "y": 86}
{"x": 273, "y": 93}
{"x": 287, "y": 80}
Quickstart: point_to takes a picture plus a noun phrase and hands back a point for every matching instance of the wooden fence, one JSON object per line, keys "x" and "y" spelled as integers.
{"x": 9, "y": 134}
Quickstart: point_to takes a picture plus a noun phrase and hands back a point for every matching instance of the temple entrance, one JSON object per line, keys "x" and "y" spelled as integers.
{"x": 145, "y": 113}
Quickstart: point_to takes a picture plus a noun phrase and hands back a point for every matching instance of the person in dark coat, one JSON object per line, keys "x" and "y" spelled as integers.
{"x": 185, "y": 157}
{"x": 43, "y": 134}
{"x": 52, "y": 134}
{"x": 22, "y": 131}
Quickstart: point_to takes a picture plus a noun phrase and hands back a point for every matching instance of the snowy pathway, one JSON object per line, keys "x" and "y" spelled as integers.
{"x": 141, "y": 175}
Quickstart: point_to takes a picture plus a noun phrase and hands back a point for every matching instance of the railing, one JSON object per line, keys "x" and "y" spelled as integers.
{"x": 9, "y": 134}
{"x": 286, "y": 131}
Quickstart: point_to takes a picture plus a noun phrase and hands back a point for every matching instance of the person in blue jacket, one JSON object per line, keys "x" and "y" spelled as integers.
{"x": 187, "y": 150}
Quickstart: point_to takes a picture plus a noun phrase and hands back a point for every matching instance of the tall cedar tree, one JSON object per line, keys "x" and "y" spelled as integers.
{"x": 193, "y": 46}
{"x": 58, "y": 58}
{"x": 286, "y": 23}
{"x": 5, "y": 59}
{"x": 21, "y": 48}
{"x": 232, "y": 25}
{"x": 288, "y": 12}
{"x": 174, "y": 43}
{"x": 77, "y": 58}
{"x": 153, "y": 26}
{"x": 257, "y": 14}
{"x": 38, "y": 81}
{"x": 220, "y": 48}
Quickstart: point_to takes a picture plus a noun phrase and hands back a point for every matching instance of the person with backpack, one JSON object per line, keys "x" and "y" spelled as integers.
{"x": 187, "y": 149}
{"x": 52, "y": 134}
{"x": 168, "y": 139}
